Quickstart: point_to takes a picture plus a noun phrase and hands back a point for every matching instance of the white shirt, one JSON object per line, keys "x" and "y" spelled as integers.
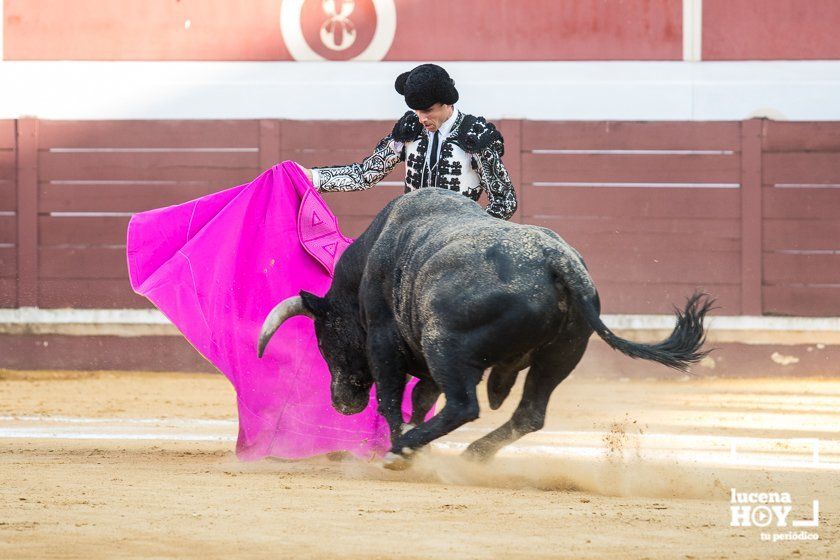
{"x": 444, "y": 130}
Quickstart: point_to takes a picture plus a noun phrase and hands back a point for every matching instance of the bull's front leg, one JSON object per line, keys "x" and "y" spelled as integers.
{"x": 388, "y": 369}
{"x": 458, "y": 382}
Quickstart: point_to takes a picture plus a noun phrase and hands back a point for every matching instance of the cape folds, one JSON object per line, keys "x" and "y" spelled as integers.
{"x": 216, "y": 266}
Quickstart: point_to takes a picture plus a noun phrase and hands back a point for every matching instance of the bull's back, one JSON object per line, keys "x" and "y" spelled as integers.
{"x": 439, "y": 238}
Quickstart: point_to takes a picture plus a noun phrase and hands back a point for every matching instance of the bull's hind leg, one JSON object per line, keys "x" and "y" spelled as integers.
{"x": 502, "y": 378}
{"x": 550, "y": 366}
{"x": 499, "y": 384}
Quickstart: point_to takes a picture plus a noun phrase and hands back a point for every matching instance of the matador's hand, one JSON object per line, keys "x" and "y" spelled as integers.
{"x": 307, "y": 172}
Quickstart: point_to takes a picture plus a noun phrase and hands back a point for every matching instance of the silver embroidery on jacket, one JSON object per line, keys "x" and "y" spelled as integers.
{"x": 470, "y": 161}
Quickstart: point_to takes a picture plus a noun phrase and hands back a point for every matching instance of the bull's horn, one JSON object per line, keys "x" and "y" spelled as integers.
{"x": 286, "y": 309}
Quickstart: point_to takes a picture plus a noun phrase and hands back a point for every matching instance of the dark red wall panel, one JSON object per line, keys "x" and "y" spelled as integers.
{"x": 539, "y": 30}
{"x": 427, "y": 30}
{"x": 771, "y": 29}
{"x": 801, "y": 205}
{"x": 143, "y": 30}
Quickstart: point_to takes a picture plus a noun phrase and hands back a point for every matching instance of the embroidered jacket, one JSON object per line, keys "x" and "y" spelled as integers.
{"x": 470, "y": 160}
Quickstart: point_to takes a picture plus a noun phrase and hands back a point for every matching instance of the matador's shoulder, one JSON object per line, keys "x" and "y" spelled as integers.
{"x": 408, "y": 128}
{"x": 475, "y": 134}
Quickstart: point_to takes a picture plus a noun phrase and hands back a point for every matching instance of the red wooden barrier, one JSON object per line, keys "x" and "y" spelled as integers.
{"x": 8, "y": 221}
{"x": 801, "y": 210}
{"x": 746, "y": 211}
{"x": 653, "y": 207}
{"x": 93, "y": 175}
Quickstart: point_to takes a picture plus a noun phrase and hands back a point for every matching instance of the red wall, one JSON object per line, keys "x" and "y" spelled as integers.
{"x": 426, "y": 30}
{"x": 771, "y": 29}
{"x": 462, "y": 30}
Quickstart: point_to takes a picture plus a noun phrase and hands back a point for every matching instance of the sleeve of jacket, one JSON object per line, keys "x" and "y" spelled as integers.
{"x": 496, "y": 181}
{"x": 360, "y": 176}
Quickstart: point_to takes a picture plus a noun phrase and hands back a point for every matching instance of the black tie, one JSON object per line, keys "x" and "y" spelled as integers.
{"x": 433, "y": 159}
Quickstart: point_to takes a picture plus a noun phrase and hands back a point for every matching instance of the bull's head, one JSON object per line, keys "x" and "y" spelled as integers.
{"x": 341, "y": 340}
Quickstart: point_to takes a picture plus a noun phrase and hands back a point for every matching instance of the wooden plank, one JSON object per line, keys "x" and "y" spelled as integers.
{"x": 362, "y": 203}
{"x": 622, "y": 264}
{"x": 788, "y": 136}
{"x": 100, "y": 353}
{"x": 8, "y": 166}
{"x": 630, "y": 168}
{"x": 150, "y": 134}
{"x": 802, "y": 168}
{"x": 8, "y": 195}
{"x": 83, "y": 262}
{"x": 229, "y": 167}
{"x": 631, "y": 297}
{"x": 639, "y": 240}
{"x": 804, "y": 234}
{"x": 621, "y": 135}
{"x": 269, "y": 143}
{"x": 7, "y": 134}
{"x": 791, "y": 268}
{"x": 802, "y": 301}
{"x": 702, "y": 227}
{"x": 8, "y": 163}
{"x": 353, "y": 226}
{"x": 122, "y": 198}
{"x": 8, "y": 293}
{"x": 633, "y": 202}
{"x": 327, "y": 158}
{"x": 751, "y": 173}
{"x": 27, "y": 212}
{"x": 8, "y": 262}
{"x": 89, "y": 294}
{"x": 332, "y": 135}
{"x": 82, "y": 230}
{"x": 8, "y": 230}
{"x": 804, "y": 203}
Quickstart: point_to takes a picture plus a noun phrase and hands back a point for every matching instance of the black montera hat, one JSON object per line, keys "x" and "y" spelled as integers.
{"x": 426, "y": 85}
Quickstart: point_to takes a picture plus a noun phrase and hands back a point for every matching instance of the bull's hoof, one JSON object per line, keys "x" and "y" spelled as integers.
{"x": 394, "y": 462}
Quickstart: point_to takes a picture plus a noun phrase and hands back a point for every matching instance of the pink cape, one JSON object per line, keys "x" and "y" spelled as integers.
{"x": 215, "y": 267}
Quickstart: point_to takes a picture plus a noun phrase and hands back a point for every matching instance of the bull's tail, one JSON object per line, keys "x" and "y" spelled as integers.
{"x": 679, "y": 350}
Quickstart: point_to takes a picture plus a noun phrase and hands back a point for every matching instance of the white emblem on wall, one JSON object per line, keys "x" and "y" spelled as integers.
{"x": 338, "y": 32}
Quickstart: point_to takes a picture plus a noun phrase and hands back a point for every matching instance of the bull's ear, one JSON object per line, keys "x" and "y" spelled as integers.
{"x": 318, "y": 306}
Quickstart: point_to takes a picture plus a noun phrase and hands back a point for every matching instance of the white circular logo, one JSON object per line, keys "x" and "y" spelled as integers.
{"x": 340, "y": 29}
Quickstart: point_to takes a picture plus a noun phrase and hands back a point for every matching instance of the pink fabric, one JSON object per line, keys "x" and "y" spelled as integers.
{"x": 215, "y": 267}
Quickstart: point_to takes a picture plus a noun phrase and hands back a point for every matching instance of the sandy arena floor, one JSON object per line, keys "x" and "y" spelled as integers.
{"x": 140, "y": 465}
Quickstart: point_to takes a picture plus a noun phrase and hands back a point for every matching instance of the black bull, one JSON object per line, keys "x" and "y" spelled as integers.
{"x": 438, "y": 289}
